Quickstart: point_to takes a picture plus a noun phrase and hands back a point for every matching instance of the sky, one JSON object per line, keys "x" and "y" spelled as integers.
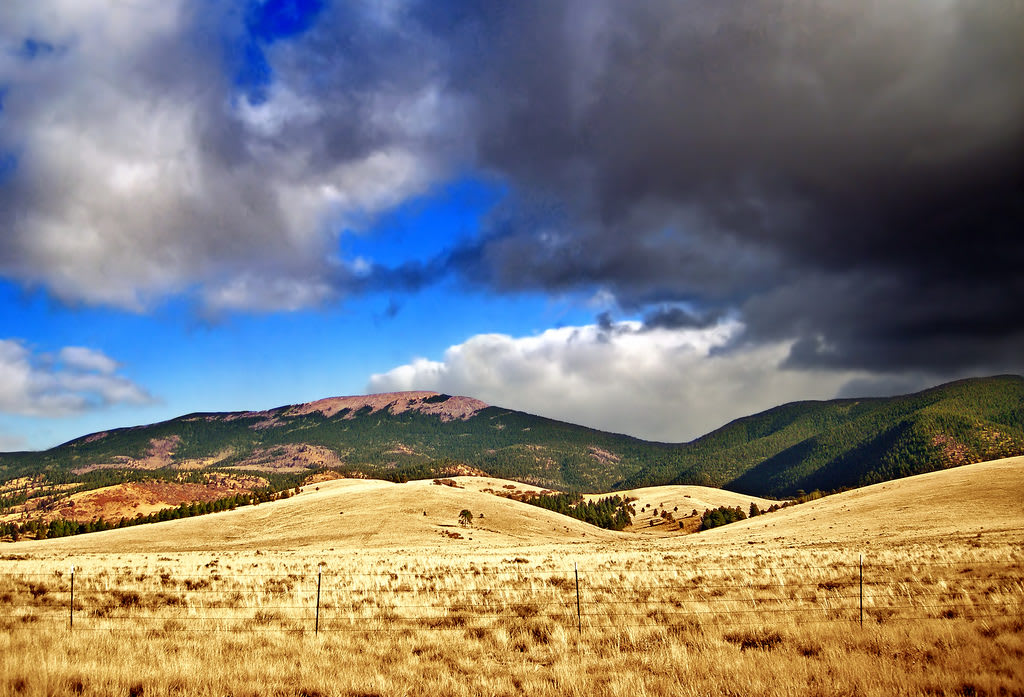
{"x": 647, "y": 217}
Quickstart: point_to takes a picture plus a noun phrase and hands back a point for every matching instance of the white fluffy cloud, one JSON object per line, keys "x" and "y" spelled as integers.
{"x": 87, "y": 360}
{"x": 71, "y": 381}
{"x": 668, "y": 385}
{"x": 142, "y": 171}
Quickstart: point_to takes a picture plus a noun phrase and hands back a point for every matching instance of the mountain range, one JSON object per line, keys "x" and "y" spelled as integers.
{"x": 802, "y": 446}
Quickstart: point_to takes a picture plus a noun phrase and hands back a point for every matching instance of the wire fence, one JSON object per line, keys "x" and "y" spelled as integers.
{"x": 686, "y": 598}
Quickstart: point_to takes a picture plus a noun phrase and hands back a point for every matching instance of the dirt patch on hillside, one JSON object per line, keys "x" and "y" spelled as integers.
{"x": 290, "y": 458}
{"x": 266, "y": 419}
{"x": 953, "y": 451}
{"x": 461, "y": 470}
{"x": 602, "y": 455}
{"x": 159, "y": 456}
{"x": 142, "y": 498}
{"x": 238, "y": 415}
{"x": 401, "y": 449}
{"x": 198, "y": 463}
{"x": 161, "y": 450}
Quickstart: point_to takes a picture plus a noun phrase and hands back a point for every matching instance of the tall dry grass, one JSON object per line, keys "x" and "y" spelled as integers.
{"x": 939, "y": 620}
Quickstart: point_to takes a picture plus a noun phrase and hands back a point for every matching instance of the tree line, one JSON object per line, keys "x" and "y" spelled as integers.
{"x": 611, "y": 513}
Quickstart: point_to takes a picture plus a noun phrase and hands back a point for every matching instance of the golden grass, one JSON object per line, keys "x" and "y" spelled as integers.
{"x": 676, "y": 622}
{"x": 346, "y": 513}
{"x": 973, "y": 502}
{"x": 697, "y": 615}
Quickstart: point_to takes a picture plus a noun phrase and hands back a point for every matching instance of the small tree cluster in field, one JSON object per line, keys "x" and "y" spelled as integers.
{"x": 611, "y": 513}
{"x": 465, "y": 517}
{"x": 723, "y": 515}
{"x": 802, "y": 497}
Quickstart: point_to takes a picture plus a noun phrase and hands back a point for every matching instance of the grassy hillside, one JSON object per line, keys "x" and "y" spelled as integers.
{"x": 976, "y": 504}
{"x": 799, "y": 446}
{"x": 370, "y": 514}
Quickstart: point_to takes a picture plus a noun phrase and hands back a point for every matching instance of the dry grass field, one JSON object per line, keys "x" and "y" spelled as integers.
{"x": 227, "y": 604}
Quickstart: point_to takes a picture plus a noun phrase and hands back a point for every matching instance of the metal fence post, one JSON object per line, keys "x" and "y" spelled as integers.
{"x": 71, "y": 608}
{"x": 319, "y": 576}
{"x": 579, "y": 617}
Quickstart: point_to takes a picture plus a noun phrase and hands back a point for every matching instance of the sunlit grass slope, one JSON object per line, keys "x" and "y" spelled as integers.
{"x": 347, "y": 513}
{"x": 982, "y": 502}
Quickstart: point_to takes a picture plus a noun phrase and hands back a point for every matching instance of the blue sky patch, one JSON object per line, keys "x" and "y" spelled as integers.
{"x": 36, "y": 48}
{"x": 426, "y": 227}
{"x": 253, "y": 74}
{"x": 266, "y": 23}
{"x": 282, "y": 19}
{"x": 8, "y": 166}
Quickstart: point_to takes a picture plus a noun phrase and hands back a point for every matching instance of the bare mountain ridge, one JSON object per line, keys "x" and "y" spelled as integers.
{"x": 446, "y": 407}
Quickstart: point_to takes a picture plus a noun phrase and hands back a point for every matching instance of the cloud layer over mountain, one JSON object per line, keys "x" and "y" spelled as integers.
{"x": 658, "y": 384}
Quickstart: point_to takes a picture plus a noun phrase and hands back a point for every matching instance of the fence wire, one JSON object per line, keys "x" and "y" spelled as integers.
{"x": 689, "y": 598}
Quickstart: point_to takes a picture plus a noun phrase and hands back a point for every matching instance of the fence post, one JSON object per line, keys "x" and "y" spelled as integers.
{"x": 71, "y": 623}
{"x": 579, "y": 617}
{"x": 319, "y": 575}
{"x": 861, "y": 591}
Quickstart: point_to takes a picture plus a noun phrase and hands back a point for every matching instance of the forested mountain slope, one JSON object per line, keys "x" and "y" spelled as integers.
{"x": 851, "y": 442}
{"x": 804, "y": 445}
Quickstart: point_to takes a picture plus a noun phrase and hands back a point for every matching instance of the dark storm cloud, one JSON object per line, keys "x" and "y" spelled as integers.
{"x": 850, "y": 173}
{"x": 671, "y": 317}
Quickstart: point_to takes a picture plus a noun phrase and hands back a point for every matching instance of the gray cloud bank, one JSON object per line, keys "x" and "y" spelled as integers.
{"x": 846, "y": 177}
{"x": 848, "y": 173}
{"x": 660, "y": 384}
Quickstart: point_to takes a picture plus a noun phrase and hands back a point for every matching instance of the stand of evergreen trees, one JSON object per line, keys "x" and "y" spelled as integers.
{"x": 611, "y": 513}
{"x": 723, "y": 515}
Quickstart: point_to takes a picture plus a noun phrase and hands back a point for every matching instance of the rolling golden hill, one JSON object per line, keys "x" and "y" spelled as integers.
{"x": 346, "y": 513}
{"x": 965, "y": 502}
{"x": 984, "y": 501}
